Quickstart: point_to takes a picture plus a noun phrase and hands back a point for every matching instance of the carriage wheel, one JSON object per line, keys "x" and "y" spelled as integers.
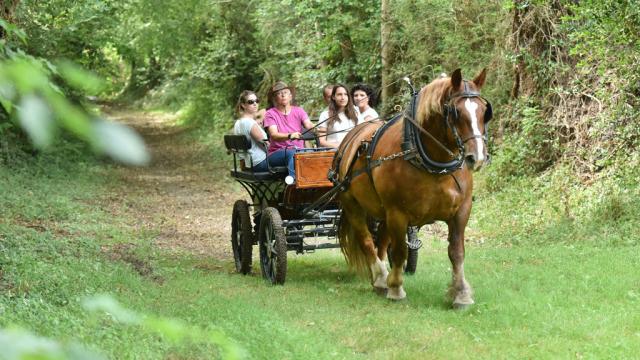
{"x": 273, "y": 246}
{"x": 412, "y": 255}
{"x": 241, "y": 236}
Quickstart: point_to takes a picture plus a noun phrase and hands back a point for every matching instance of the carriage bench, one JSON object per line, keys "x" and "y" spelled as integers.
{"x": 240, "y": 145}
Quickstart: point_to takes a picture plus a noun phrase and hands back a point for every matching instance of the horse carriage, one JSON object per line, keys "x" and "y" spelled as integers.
{"x": 301, "y": 217}
{"x": 415, "y": 169}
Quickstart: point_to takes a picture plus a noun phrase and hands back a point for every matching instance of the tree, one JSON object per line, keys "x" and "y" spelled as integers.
{"x": 385, "y": 51}
{"x": 7, "y": 9}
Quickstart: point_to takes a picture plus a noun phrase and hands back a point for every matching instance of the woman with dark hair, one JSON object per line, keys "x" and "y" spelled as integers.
{"x": 246, "y": 125}
{"x": 335, "y": 122}
{"x": 364, "y": 98}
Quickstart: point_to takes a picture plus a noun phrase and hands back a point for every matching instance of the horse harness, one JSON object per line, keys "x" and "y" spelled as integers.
{"x": 412, "y": 149}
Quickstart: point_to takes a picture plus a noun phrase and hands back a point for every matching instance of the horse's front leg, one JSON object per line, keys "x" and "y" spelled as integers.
{"x": 460, "y": 290}
{"x": 396, "y": 229}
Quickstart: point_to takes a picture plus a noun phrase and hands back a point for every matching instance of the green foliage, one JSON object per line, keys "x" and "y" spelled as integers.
{"x": 579, "y": 68}
{"x": 528, "y": 149}
{"x": 41, "y": 108}
{"x": 55, "y": 248}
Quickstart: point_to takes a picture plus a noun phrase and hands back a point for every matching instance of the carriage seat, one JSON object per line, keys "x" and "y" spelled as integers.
{"x": 239, "y": 145}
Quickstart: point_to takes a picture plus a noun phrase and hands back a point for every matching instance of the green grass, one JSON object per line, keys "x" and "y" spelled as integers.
{"x": 545, "y": 302}
{"x": 544, "y": 288}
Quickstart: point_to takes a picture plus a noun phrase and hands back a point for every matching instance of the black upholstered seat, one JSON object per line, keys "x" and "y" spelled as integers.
{"x": 277, "y": 173}
{"x": 239, "y": 144}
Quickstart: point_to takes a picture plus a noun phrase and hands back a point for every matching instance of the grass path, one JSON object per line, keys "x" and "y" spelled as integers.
{"x": 183, "y": 194}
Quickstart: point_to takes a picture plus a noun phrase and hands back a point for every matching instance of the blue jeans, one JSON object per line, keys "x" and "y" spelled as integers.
{"x": 261, "y": 167}
{"x": 284, "y": 157}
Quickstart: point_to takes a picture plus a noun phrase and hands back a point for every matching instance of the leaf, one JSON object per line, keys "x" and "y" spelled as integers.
{"x": 36, "y": 119}
{"x": 18, "y": 344}
{"x": 6, "y": 94}
{"x": 71, "y": 117}
{"x": 80, "y": 78}
{"x": 28, "y": 76}
{"x": 121, "y": 143}
{"x": 172, "y": 329}
{"x": 107, "y": 304}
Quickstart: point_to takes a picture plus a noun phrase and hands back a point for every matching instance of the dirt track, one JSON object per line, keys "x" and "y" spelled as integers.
{"x": 180, "y": 197}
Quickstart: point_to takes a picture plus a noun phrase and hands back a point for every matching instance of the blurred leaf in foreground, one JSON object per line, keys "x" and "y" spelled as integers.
{"x": 172, "y": 329}
{"x": 80, "y": 79}
{"x": 120, "y": 142}
{"x": 35, "y": 119}
{"x": 22, "y": 345}
{"x": 26, "y": 85}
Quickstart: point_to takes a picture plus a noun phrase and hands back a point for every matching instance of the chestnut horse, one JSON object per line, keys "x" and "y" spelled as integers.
{"x": 381, "y": 181}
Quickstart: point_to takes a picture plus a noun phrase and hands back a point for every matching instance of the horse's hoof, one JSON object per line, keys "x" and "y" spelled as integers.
{"x": 396, "y": 294}
{"x": 461, "y": 306}
{"x": 380, "y": 291}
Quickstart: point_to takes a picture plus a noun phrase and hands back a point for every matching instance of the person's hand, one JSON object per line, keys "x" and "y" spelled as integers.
{"x": 295, "y": 135}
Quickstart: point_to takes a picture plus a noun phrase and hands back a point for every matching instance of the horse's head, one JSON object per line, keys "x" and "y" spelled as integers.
{"x": 468, "y": 113}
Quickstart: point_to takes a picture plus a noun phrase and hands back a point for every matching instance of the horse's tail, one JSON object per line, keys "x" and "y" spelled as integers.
{"x": 351, "y": 246}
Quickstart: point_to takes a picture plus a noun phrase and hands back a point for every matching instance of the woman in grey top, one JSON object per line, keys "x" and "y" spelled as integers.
{"x": 247, "y": 108}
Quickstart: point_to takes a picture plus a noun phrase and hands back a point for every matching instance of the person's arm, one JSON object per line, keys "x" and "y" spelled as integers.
{"x": 258, "y": 136}
{"x": 371, "y": 115}
{"x": 272, "y": 130}
{"x": 278, "y": 136}
{"x": 307, "y": 124}
{"x": 322, "y": 139}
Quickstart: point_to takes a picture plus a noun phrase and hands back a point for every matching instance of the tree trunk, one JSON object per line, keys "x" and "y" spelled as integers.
{"x": 385, "y": 53}
{"x": 142, "y": 79}
{"x": 518, "y": 67}
{"x": 7, "y": 8}
{"x": 348, "y": 55}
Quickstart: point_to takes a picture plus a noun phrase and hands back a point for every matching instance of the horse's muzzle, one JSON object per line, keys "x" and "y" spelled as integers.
{"x": 473, "y": 163}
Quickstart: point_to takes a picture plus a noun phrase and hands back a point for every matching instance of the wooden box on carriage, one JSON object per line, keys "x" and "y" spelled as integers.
{"x": 312, "y": 168}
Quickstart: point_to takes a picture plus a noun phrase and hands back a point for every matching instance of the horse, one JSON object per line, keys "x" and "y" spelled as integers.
{"x": 384, "y": 177}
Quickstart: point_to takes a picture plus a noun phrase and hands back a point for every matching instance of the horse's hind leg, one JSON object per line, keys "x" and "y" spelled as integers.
{"x": 460, "y": 290}
{"x": 397, "y": 232}
{"x": 379, "y": 270}
{"x": 358, "y": 221}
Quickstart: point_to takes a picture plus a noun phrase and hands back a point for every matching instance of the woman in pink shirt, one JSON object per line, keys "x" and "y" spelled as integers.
{"x": 285, "y": 124}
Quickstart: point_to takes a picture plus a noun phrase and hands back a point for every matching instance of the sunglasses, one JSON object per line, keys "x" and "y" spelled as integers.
{"x": 251, "y": 102}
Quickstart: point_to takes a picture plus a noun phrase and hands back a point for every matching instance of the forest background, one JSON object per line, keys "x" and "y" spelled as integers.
{"x": 563, "y": 80}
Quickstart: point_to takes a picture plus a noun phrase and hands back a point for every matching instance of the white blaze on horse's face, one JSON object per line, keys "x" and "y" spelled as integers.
{"x": 471, "y": 108}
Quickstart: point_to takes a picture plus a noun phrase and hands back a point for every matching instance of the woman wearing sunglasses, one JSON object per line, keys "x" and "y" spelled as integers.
{"x": 247, "y": 108}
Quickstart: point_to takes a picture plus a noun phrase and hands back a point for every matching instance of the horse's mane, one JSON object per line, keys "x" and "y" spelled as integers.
{"x": 431, "y": 98}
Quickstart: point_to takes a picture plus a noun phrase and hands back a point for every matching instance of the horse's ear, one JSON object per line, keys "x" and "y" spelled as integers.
{"x": 479, "y": 79}
{"x": 456, "y": 78}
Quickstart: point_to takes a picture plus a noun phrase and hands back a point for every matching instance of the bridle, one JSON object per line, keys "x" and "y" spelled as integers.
{"x": 451, "y": 111}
